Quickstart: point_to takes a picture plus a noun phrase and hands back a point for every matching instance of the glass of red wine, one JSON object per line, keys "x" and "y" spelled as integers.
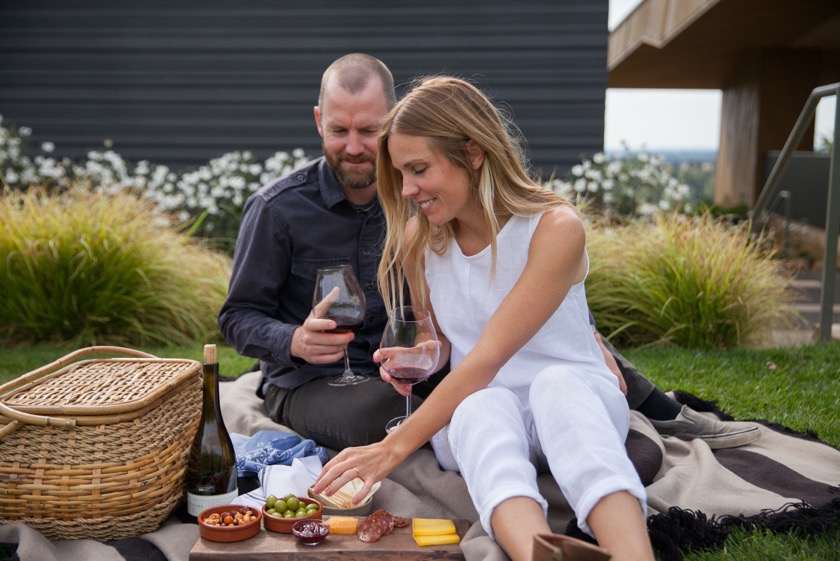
{"x": 347, "y": 310}
{"x": 412, "y": 351}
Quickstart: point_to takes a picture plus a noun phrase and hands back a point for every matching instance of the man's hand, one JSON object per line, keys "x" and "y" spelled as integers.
{"x": 312, "y": 344}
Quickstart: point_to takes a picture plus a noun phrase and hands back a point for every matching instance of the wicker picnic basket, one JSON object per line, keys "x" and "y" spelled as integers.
{"x": 97, "y": 448}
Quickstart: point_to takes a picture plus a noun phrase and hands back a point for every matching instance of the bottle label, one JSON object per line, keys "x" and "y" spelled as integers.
{"x": 197, "y": 503}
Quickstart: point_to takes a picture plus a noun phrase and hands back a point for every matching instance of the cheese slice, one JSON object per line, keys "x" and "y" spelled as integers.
{"x": 442, "y": 539}
{"x": 342, "y": 524}
{"x": 432, "y": 527}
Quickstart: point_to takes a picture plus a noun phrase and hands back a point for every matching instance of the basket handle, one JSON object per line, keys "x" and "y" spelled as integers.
{"x": 19, "y": 418}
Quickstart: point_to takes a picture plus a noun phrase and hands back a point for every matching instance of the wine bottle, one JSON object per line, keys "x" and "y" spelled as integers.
{"x": 211, "y": 472}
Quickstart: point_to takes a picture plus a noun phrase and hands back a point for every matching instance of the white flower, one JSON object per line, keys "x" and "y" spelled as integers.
{"x": 47, "y": 147}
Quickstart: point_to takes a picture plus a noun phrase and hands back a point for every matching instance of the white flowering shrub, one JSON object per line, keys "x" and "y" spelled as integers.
{"x": 630, "y": 185}
{"x": 210, "y": 196}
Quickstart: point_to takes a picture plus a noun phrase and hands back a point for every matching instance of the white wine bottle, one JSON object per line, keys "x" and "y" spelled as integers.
{"x": 211, "y": 472}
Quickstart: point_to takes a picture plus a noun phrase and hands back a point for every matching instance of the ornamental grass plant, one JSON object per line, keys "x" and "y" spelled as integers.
{"x": 693, "y": 281}
{"x": 84, "y": 268}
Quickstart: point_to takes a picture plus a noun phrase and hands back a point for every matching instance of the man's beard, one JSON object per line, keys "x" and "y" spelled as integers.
{"x": 351, "y": 179}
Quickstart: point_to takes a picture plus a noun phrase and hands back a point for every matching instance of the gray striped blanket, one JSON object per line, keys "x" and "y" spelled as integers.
{"x": 696, "y": 496}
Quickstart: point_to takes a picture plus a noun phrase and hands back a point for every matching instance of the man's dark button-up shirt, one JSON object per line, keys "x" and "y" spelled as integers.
{"x": 289, "y": 229}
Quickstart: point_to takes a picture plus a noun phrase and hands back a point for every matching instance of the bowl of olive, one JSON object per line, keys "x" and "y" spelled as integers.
{"x": 281, "y": 513}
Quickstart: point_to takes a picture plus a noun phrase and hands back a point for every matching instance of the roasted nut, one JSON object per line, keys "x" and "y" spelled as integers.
{"x": 231, "y": 518}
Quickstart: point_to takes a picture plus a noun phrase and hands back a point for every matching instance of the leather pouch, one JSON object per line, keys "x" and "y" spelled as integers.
{"x": 554, "y": 547}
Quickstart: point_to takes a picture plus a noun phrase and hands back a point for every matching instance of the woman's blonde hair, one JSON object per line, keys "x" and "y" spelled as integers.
{"x": 450, "y": 112}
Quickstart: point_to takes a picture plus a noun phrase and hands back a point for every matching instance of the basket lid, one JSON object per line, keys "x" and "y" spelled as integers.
{"x": 103, "y": 386}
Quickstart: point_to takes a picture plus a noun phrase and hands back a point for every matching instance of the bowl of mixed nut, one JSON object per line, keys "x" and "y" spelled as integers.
{"x": 229, "y": 523}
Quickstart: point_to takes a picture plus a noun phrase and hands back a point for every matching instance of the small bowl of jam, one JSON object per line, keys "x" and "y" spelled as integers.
{"x": 310, "y": 532}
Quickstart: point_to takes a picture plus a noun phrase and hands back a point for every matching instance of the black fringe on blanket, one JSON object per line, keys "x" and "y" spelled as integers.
{"x": 681, "y": 531}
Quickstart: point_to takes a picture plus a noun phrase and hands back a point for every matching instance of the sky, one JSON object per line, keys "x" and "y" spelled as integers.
{"x": 657, "y": 119}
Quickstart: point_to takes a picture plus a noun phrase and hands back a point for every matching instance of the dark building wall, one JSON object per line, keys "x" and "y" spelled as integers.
{"x": 180, "y": 82}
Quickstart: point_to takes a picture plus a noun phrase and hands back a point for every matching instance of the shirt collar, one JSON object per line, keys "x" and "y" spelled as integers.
{"x": 331, "y": 191}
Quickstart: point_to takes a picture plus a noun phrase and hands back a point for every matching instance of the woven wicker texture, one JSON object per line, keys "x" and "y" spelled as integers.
{"x": 99, "y": 448}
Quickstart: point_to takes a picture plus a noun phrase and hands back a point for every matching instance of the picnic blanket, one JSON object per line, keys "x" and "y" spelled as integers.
{"x": 696, "y": 496}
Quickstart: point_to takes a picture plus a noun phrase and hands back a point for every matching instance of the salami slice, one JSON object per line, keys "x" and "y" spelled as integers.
{"x": 376, "y": 525}
{"x": 400, "y": 522}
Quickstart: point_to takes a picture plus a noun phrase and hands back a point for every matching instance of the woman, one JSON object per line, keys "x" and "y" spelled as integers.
{"x": 501, "y": 263}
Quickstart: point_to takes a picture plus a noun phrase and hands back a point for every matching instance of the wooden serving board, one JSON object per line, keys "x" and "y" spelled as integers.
{"x": 268, "y": 545}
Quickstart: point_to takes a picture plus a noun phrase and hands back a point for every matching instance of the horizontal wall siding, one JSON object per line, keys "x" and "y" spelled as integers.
{"x": 182, "y": 82}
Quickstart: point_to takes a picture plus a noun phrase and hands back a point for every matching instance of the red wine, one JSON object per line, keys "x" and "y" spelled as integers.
{"x": 344, "y": 324}
{"x": 211, "y": 472}
{"x": 408, "y": 375}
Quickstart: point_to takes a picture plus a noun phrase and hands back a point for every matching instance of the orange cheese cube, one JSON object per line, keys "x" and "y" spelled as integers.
{"x": 342, "y": 524}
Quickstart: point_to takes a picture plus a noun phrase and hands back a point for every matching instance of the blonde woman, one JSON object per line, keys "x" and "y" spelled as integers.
{"x": 500, "y": 262}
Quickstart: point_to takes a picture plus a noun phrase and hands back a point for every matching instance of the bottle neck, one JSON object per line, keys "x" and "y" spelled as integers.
{"x": 211, "y": 388}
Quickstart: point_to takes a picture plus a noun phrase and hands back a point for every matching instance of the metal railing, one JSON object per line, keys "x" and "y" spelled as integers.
{"x": 832, "y": 218}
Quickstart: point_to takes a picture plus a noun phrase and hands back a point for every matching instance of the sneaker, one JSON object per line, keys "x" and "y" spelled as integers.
{"x": 717, "y": 434}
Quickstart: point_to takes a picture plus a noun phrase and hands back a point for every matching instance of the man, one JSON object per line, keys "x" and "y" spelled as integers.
{"x": 326, "y": 213}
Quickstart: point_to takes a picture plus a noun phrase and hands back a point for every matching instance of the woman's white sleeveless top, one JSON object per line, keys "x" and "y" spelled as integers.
{"x": 464, "y": 298}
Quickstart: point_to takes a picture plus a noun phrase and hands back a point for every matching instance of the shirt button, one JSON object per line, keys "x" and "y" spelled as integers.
{"x": 300, "y": 177}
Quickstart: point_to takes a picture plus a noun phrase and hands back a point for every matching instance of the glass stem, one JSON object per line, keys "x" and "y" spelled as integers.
{"x": 347, "y": 371}
{"x": 408, "y": 403}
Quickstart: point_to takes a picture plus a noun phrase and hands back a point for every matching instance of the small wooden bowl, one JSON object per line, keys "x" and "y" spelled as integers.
{"x": 228, "y": 534}
{"x": 284, "y": 525}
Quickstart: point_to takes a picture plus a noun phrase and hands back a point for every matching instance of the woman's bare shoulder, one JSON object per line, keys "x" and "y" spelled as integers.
{"x": 561, "y": 219}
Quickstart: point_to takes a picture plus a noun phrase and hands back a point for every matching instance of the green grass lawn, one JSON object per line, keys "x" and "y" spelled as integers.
{"x": 797, "y": 387}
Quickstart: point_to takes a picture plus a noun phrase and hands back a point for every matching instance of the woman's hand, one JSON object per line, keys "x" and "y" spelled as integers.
{"x": 370, "y": 463}
{"x": 404, "y": 389}
{"x": 418, "y": 357}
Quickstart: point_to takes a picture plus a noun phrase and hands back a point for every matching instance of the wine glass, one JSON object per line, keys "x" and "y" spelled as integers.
{"x": 409, "y": 331}
{"x": 347, "y": 310}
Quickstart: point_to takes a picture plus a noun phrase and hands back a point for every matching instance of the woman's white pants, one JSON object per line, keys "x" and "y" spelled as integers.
{"x": 576, "y": 422}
